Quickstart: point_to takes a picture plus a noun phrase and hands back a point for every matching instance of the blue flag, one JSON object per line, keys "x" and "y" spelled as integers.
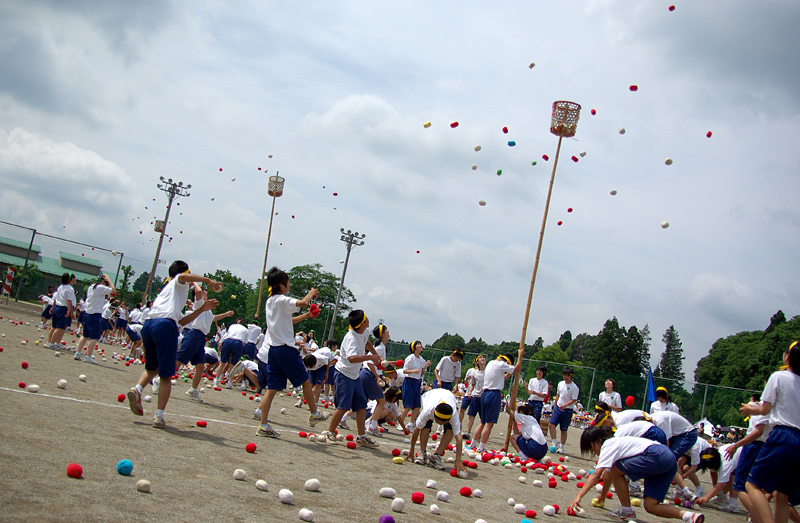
{"x": 651, "y": 388}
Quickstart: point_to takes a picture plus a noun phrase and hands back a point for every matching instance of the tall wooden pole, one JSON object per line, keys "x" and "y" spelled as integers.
{"x": 513, "y": 400}
{"x": 266, "y": 251}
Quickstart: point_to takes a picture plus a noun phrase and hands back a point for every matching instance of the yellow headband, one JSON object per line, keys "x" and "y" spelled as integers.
{"x": 606, "y": 414}
{"x": 783, "y": 367}
{"x": 361, "y": 322}
{"x": 504, "y": 358}
{"x": 381, "y": 329}
{"x": 662, "y": 388}
{"x": 458, "y": 352}
{"x": 443, "y": 417}
{"x": 793, "y": 345}
{"x": 269, "y": 291}
{"x": 414, "y": 344}
{"x": 706, "y": 456}
{"x": 170, "y": 277}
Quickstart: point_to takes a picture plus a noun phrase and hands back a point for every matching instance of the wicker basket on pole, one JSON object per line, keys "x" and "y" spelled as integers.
{"x": 563, "y": 123}
{"x": 274, "y": 189}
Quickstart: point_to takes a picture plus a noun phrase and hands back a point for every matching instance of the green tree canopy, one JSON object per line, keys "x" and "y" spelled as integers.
{"x": 671, "y": 366}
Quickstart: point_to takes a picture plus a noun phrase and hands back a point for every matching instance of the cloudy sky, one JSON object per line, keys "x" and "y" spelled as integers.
{"x": 100, "y": 98}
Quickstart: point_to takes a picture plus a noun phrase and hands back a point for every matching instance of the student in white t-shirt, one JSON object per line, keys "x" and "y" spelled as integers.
{"x": 638, "y": 458}
{"x": 776, "y": 467}
{"x": 538, "y": 391}
{"x": 47, "y": 308}
{"x": 448, "y": 370}
{"x": 664, "y": 402}
{"x": 371, "y": 379}
{"x": 413, "y": 369}
{"x": 758, "y": 430}
{"x": 472, "y": 399}
{"x": 567, "y": 394}
{"x": 726, "y": 472}
{"x": 440, "y": 406}
{"x": 389, "y": 412}
{"x": 285, "y": 361}
{"x": 610, "y": 396}
{"x": 64, "y": 303}
{"x": 355, "y": 350}
{"x": 494, "y": 378}
{"x": 318, "y": 365}
{"x": 530, "y": 441}
{"x": 160, "y": 335}
{"x": 96, "y": 295}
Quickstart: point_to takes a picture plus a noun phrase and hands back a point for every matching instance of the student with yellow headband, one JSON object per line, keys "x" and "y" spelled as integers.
{"x": 438, "y": 405}
{"x": 494, "y": 378}
{"x": 413, "y": 369}
{"x": 448, "y": 370}
{"x": 160, "y": 335}
{"x": 775, "y": 469}
{"x": 664, "y": 402}
{"x": 285, "y": 361}
{"x": 349, "y": 393}
{"x": 471, "y": 402}
{"x": 370, "y": 378}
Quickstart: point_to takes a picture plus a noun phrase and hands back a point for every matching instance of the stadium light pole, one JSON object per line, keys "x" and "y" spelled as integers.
{"x": 173, "y": 190}
{"x": 351, "y": 239}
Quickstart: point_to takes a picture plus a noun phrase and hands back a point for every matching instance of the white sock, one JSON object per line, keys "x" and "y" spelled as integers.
{"x": 139, "y": 388}
{"x": 159, "y": 413}
{"x": 316, "y": 414}
{"x": 481, "y": 447}
{"x": 627, "y": 509}
{"x": 192, "y": 390}
{"x": 345, "y": 417}
{"x": 687, "y": 491}
{"x": 264, "y": 426}
{"x": 373, "y": 424}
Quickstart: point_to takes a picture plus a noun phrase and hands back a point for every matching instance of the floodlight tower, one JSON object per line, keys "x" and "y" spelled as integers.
{"x": 351, "y": 239}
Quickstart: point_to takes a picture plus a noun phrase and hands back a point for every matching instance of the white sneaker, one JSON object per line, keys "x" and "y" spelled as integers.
{"x": 699, "y": 491}
{"x": 90, "y": 359}
{"x": 730, "y": 507}
{"x": 622, "y": 515}
{"x": 374, "y": 432}
{"x": 77, "y": 356}
{"x": 156, "y": 384}
{"x": 243, "y": 386}
{"x": 560, "y": 449}
{"x": 299, "y": 404}
{"x": 192, "y": 393}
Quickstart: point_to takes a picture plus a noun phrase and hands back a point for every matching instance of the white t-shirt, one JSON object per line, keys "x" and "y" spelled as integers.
{"x": 612, "y": 400}
{"x": 170, "y": 301}
{"x": 107, "y": 313}
{"x": 48, "y": 301}
{"x": 672, "y": 424}
{"x": 353, "y": 344}
{"x": 280, "y": 330}
{"x": 657, "y": 406}
{"x": 65, "y": 293}
{"x": 380, "y": 348}
{"x": 615, "y": 449}
{"x": 96, "y": 298}
{"x": 634, "y": 428}
{"x": 430, "y": 400}
{"x": 538, "y": 385}
{"x": 783, "y": 392}
{"x": 728, "y": 465}
{"x": 448, "y": 369}
{"x": 626, "y": 416}
{"x": 756, "y": 420}
{"x": 477, "y": 382}
{"x": 494, "y": 375}
{"x": 203, "y": 321}
{"x": 391, "y": 407}
{"x": 136, "y": 316}
{"x": 413, "y": 363}
{"x": 212, "y": 352}
{"x": 323, "y": 356}
{"x": 253, "y": 332}
{"x": 250, "y": 365}
{"x": 530, "y": 428}
{"x": 697, "y": 449}
{"x": 566, "y": 393}
{"x": 237, "y": 331}
{"x": 123, "y": 312}
{"x": 263, "y": 351}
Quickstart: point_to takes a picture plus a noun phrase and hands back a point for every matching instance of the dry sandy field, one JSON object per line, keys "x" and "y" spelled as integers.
{"x": 191, "y": 468}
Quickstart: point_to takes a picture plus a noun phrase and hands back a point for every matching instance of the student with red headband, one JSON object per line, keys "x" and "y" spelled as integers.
{"x": 494, "y": 378}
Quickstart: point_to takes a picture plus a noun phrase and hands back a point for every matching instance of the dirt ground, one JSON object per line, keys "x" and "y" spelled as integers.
{"x": 191, "y": 468}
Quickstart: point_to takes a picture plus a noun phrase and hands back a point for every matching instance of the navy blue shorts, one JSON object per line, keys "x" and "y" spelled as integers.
{"x": 747, "y": 458}
{"x": 537, "y": 409}
{"x": 465, "y": 401}
{"x": 47, "y": 313}
{"x": 193, "y": 348}
{"x": 60, "y": 320}
{"x": 284, "y": 363}
{"x": 332, "y": 375}
{"x": 474, "y": 406}
{"x": 262, "y": 374}
{"x": 370, "y": 385}
{"x": 210, "y": 358}
{"x": 412, "y": 393}
{"x": 231, "y": 351}
{"x": 490, "y": 405}
{"x": 776, "y": 465}
{"x": 655, "y": 434}
{"x": 121, "y": 324}
{"x": 105, "y": 324}
{"x": 682, "y": 443}
{"x": 160, "y": 338}
{"x": 447, "y": 385}
{"x": 562, "y": 418}
{"x": 249, "y": 351}
{"x": 349, "y": 393}
{"x": 445, "y": 427}
{"x": 91, "y": 326}
{"x": 531, "y": 448}
{"x": 133, "y": 335}
{"x": 656, "y": 465}
{"x": 82, "y": 317}
{"x": 317, "y": 376}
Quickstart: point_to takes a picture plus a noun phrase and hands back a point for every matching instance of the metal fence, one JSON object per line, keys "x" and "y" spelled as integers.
{"x": 696, "y": 401}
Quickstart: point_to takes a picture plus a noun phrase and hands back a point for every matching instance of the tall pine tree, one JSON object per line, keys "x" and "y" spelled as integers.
{"x": 671, "y": 365}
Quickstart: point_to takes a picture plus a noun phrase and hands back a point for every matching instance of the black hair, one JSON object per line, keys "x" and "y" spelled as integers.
{"x": 309, "y": 361}
{"x": 662, "y": 392}
{"x": 443, "y": 409}
{"x": 332, "y": 343}
{"x": 756, "y": 396}
{"x": 542, "y": 368}
{"x": 276, "y": 277}
{"x": 510, "y": 357}
{"x": 356, "y": 317}
{"x": 593, "y": 435}
{"x": 378, "y": 331}
{"x": 526, "y": 409}
{"x": 710, "y": 459}
{"x": 65, "y": 278}
{"x": 613, "y": 383}
{"x": 389, "y": 368}
{"x": 413, "y": 344}
{"x": 601, "y": 410}
{"x": 567, "y": 370}
{"x": 459, "y": 353}
{"x": 793, "y": 350}
{"x": 392, "y": 394}
{"x": 178, "y": 267}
